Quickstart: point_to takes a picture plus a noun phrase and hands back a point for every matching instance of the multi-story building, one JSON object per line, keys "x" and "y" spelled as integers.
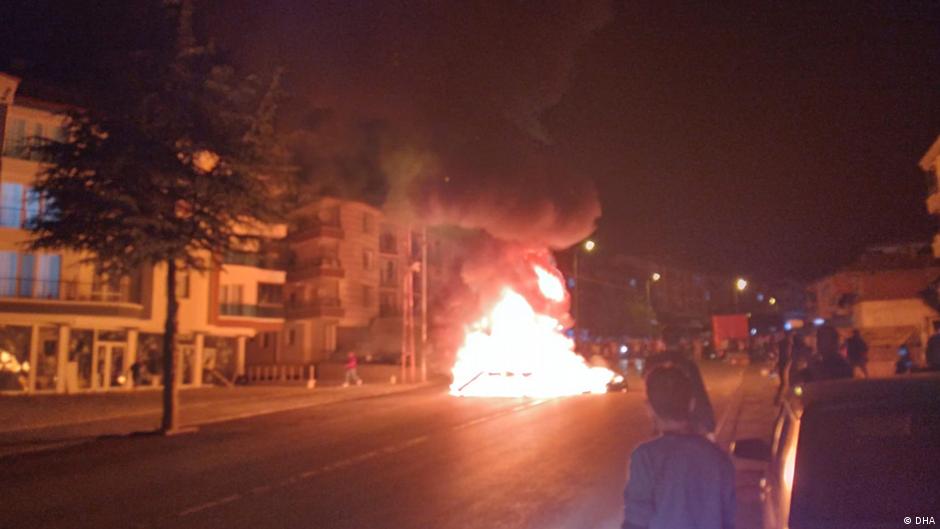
{"x": 344, "y": 284}
{"x": 930, "y": 164}
{"x": 65, "y": 327}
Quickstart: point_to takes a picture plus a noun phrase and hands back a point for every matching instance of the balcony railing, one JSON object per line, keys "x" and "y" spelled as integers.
{"x": 316, "y": 307}
{"x": 268, "y": 261}
{"x": 251, "y": 311}
{"x": 318, "y": 228}
{"x": 61, "y": 290}
{"x": 326, "y": 266}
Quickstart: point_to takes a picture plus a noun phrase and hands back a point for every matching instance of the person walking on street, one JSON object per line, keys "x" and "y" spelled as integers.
{"x": 857, "y": 352}
{"x": 831, "y": 364}
{"x": 352, "y": 365}
{"x": 933, "y": 348}
{"x": 680, "y": 479}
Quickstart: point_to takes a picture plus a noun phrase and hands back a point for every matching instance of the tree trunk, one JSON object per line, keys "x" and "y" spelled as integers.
{"x": 171, "y": 418}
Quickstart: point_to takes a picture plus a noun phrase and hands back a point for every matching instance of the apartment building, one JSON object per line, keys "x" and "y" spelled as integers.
{"x": 930, "y": 164}
{"x": 65, "y": 327}
{"x": 346, "y": 265}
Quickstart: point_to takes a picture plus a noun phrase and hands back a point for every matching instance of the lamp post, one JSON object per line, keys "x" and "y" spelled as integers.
{"x": 739, "y": 286}
{"x": 653, "y": 278}
{"x": 588, "y": 246}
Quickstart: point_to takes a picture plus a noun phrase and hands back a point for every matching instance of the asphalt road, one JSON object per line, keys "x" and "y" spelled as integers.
{"x": 416, "y": 460}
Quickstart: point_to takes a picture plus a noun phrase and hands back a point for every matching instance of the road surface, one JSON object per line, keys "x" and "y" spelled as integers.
{"x": 415, "y": 460}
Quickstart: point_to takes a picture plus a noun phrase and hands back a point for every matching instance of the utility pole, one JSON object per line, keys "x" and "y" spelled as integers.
{"x": 424, "y": 303}
{"x": 408, "y": 313}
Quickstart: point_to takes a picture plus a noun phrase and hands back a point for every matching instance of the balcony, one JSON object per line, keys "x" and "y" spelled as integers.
{"x": 314, "y": 308}
{"x": 325, "y": 266}
{"x": 70, "y": 297}
{"x": 311, "y": 229}
{"x": 251, "y": 311}
{"x": 265, "y": 260}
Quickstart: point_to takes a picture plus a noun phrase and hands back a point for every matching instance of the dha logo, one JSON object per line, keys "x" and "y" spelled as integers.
{"x": 920, "y": 520}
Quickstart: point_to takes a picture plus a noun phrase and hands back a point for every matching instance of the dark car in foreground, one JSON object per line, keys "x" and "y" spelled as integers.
{"x": 853, "y": 454}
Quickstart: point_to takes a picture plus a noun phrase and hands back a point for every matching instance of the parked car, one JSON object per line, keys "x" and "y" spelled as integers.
{"x": 852, "y": 453}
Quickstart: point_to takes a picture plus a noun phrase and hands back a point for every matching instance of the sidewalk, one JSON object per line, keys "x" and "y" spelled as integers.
{"x": 31, "y": 423}
{"x": 751, "y": 414}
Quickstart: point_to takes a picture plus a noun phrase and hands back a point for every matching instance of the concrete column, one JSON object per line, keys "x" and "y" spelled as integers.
{"x": 197, "y": 358}
{"x": 130, "y": 355}
{"x": 62, "y": 366}
{"x": 240, "y": 356}
{"x": 33, "y": 357}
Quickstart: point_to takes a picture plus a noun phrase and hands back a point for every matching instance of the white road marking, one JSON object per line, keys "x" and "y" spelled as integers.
{"x": 397, "y": 447}
{"x": 521, "y": 407}
{"x": 211, "y": 504}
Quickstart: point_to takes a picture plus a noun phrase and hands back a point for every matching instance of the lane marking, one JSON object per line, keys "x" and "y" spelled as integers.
{"x": 501, "y": 413}
{"x": 211, "y": 504}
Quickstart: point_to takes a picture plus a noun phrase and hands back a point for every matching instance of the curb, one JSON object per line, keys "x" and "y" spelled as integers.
{"x": 37, "y": 446}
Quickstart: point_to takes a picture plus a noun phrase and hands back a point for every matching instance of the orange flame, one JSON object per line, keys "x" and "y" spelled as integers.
{"x": 514, "y": 351}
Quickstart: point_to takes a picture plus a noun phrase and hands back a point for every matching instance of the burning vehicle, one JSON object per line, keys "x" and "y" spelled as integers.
{"x": 518, "y": 347}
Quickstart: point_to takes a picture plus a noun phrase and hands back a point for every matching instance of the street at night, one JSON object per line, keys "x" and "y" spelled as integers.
{"x": 475, "y": 264}
{"x": 415, "y": 460}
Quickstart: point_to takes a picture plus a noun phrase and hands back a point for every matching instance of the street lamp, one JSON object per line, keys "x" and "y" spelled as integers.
{"x": 772, "y": 301}
{"x": 589, "y": 246}
{"x": 653, "y": 278}
{"x": 739, "y": 286}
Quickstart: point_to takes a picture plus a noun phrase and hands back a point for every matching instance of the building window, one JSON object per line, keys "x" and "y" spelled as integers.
{"x": 15, "y": 144}
{"x": 291, "y": 337}
{"x": 368, "y": 258}
{"x": 270, "y": 293}
{"x": 388, "y": 243}
{"x": 11, "y": 215}
{"x": 368, "y": 223}
{"x": 182, "y": 285}
{"x": 366, "y": 295}
{"x": 28, "y": 275}
{"x": 231, "y": 294}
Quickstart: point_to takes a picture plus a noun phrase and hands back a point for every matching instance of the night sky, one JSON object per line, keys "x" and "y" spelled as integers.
{"x": 773, "y": 140}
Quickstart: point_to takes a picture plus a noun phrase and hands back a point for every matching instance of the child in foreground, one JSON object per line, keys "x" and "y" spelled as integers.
{"x": 680, "y": 479}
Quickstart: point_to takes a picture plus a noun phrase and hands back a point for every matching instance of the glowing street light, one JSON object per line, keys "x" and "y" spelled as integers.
{"x": 741, "y": 284}
{"x": 772, "y": 301}
{"x": 653, "y": 278}
{"x": 589, "y": 246}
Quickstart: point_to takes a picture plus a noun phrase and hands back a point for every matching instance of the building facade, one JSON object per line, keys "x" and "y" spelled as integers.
{"x": 881, "y": 295}
{"x": 65, "y": 327}
{"x": 930, "y": 164}
{"x": 346, "y": 269}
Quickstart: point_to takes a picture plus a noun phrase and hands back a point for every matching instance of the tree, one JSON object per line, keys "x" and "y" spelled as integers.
{"x": 177, "y": 165}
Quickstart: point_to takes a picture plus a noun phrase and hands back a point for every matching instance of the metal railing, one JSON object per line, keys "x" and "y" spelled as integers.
{"x": 315, "y": 302}
{"x": 280, "y": 372}
{"x": 251, "y": 311}
{"x": 269, "y": 261}
{"x": 63, "y": 290}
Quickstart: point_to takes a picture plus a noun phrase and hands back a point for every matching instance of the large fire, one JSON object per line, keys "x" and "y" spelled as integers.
{"x": 520, "y": 350}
